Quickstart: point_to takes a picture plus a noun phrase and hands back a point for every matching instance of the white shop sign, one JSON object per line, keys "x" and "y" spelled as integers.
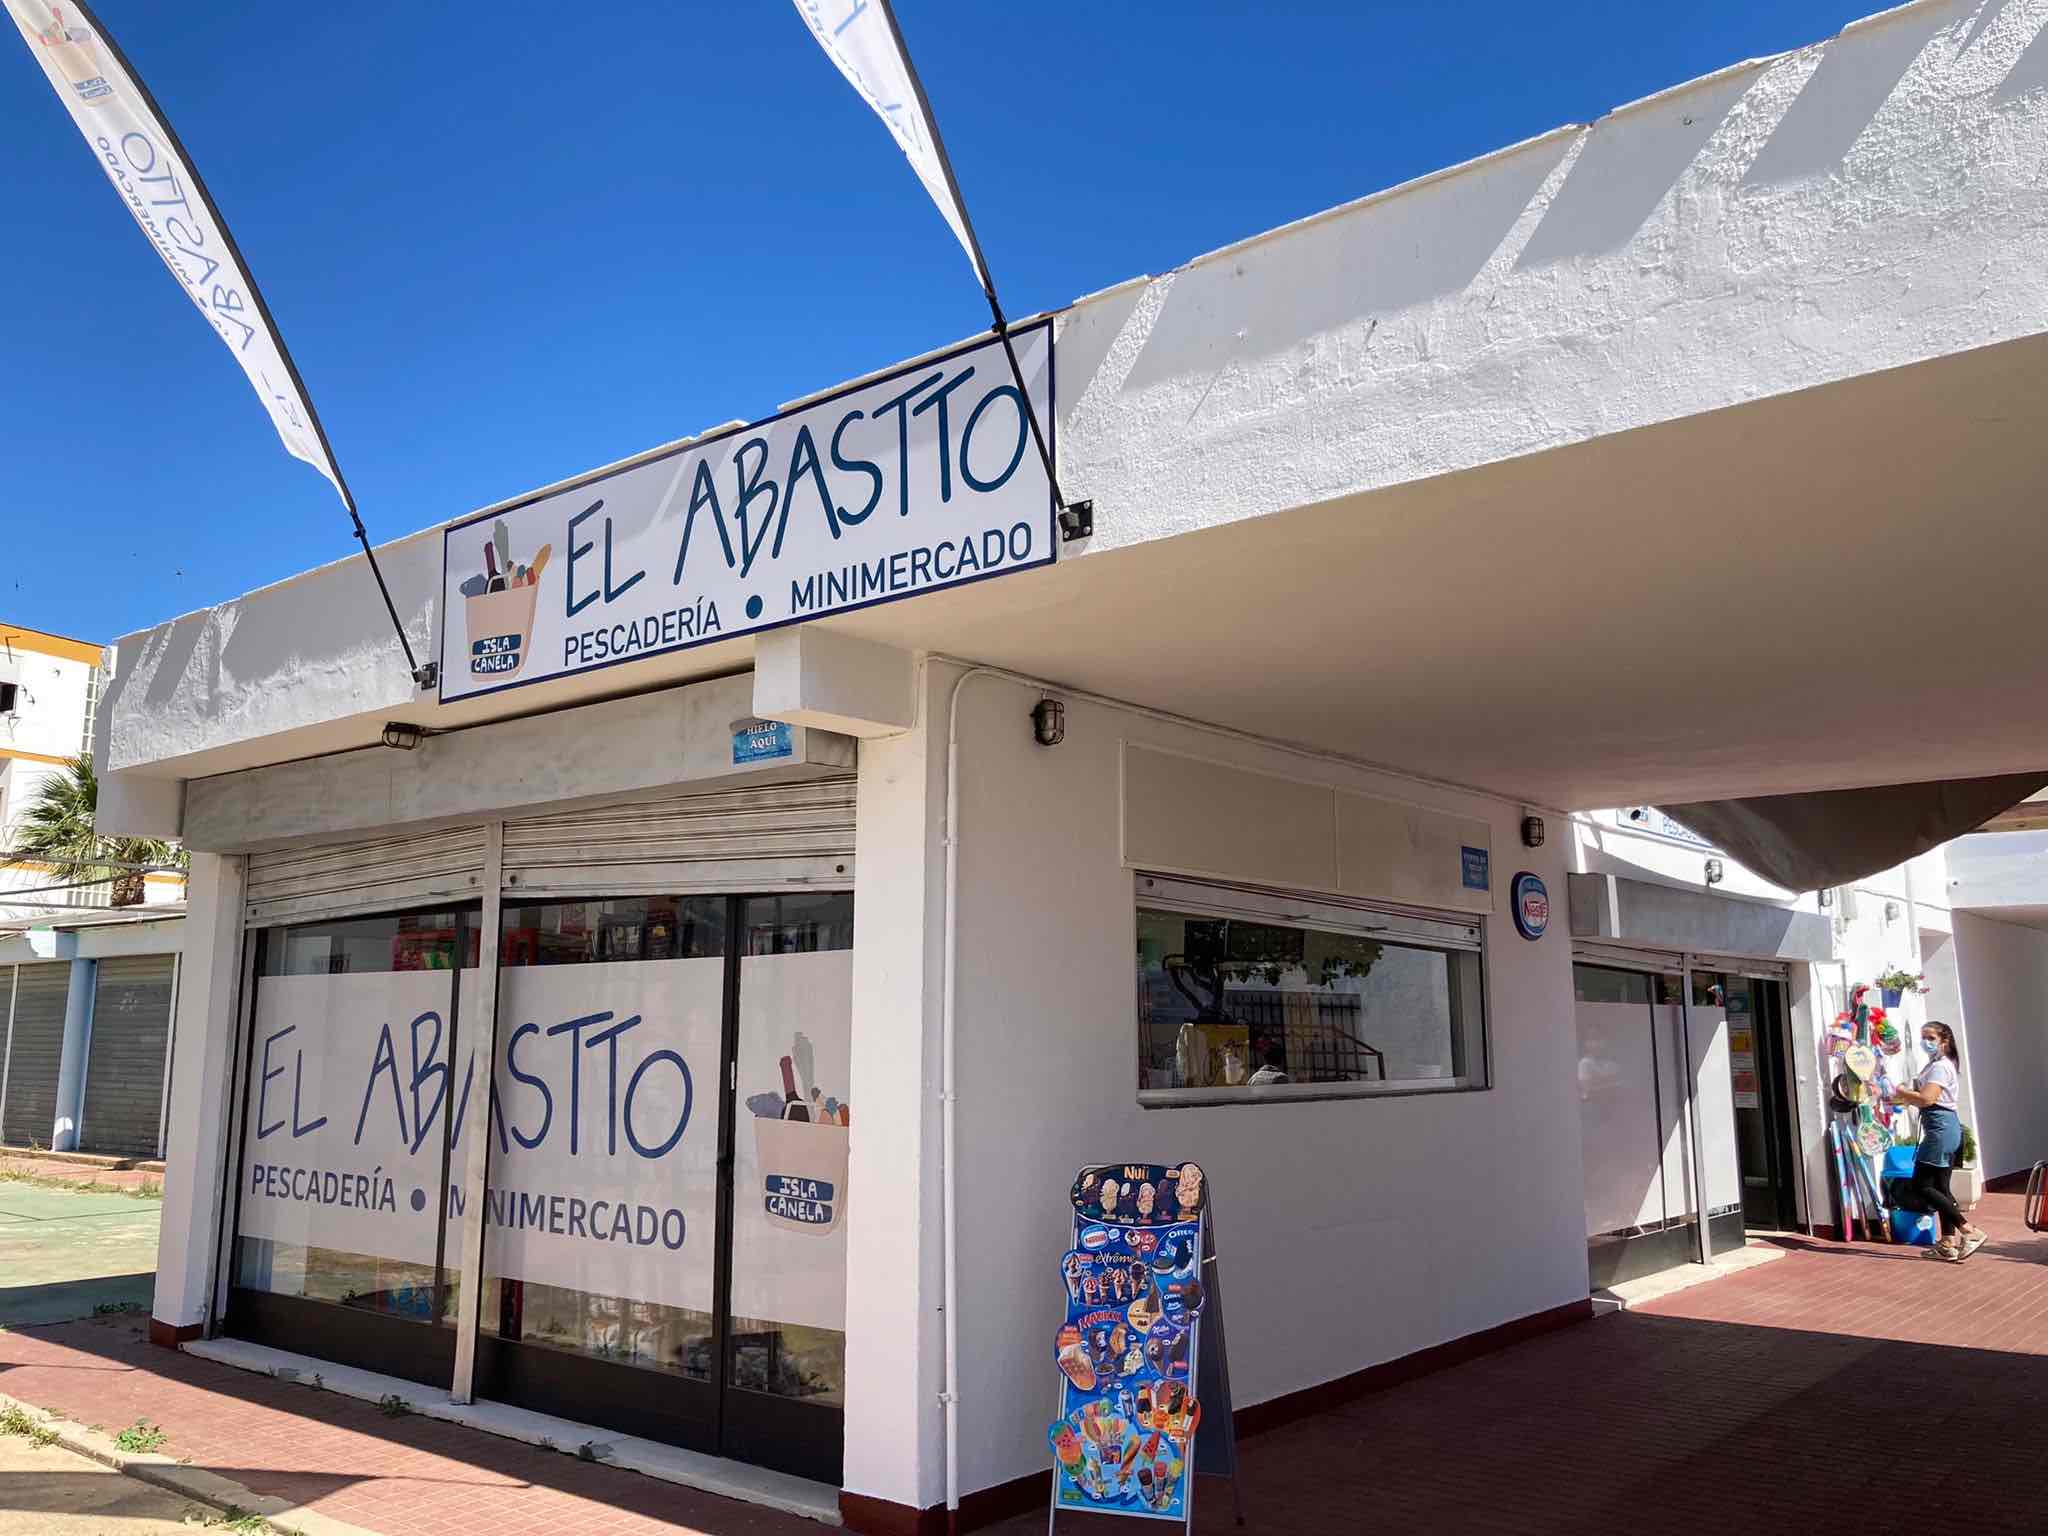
{"x": 924, "y": 479}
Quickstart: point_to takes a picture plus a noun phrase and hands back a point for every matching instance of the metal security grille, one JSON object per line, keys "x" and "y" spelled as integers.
{"x": 753, "y": 838}
{"x": 1319, "y": 1033}
{"x": 30, "y": 1109}
{"x": 380, "y": 874}
{"x": 124, "y": 1071}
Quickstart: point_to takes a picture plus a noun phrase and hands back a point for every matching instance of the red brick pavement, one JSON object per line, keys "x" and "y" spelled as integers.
{"x": 409, "y": 1476}
{"x": 1768, "y": 1401}
{"x": 90, "y": 1175}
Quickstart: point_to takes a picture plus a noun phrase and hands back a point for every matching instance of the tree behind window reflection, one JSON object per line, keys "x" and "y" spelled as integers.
{"x": 1219, "y": 953}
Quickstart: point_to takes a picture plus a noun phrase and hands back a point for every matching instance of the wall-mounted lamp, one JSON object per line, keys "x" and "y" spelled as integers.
{"x": 1049, "y": 722}
{"x": 1891, "y": 911}
{"x": 402, "y": 735}
{"x": 1715, "y": 873}
{"x": 1826, "y": 896}
{"x": 1532, "y": 831}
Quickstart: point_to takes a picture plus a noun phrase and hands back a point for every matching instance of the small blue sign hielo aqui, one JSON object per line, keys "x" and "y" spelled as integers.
{"x": 756, "y": 741}
{"x": 1477, "y": 875}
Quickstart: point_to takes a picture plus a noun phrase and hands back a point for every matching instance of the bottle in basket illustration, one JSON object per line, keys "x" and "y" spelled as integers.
{"x": 498, "y": 606}
{"x": 75, "y": 52}
{"x": 800, "y": 1139}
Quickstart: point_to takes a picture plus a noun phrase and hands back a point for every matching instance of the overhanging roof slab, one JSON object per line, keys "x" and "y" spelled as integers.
{"x": 1671, "y": 457}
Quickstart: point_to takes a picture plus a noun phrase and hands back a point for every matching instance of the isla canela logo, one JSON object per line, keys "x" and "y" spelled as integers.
{"x": 498, "y": 603}
{"x": 73, "y": 49}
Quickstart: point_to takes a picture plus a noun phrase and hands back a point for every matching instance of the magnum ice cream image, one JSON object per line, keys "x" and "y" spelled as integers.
{"x": 75, "y": 52}
{"x": 497, "y": 606}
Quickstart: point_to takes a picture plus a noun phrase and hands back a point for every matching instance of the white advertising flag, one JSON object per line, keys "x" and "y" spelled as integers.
{"x": 862, "y": 38}
{"x": 156, "y": 183}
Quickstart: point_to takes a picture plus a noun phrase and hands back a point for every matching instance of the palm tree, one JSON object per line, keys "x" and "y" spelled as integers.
{"x": 58, "y": 829}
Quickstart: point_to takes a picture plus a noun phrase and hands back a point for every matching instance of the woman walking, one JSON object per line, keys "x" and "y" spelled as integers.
{"x": 1941, "y": 1135}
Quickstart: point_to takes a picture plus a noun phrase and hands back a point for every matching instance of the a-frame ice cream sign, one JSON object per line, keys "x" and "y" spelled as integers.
{"x": 1136, "y": 1381}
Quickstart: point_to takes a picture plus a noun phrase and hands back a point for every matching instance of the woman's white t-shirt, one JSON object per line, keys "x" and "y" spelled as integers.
{"x": 1940, "y": 1073}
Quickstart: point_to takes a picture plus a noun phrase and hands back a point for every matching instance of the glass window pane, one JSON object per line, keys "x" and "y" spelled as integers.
{"x": 798, "y": 925}
{"x": 1603, "y": 984}
{"x": 391, "y": 941}
{"x": 614, "y": 929}
{"x": 600, "y": 1223}
{"x": 348, "y": 1112}
{"x": 1236, "y": 1003}
{"x": 790, "y": 1148}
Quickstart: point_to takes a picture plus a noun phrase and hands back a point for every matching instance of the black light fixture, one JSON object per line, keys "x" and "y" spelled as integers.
{"x": 1077, "y": 521}
{"x": 1715, "y": 873}
{"x": 1532, "y": 831}
{"x": 1827, "y": 896}
{"x": 402, "y": 734}
{"x": 1049, "y": 722}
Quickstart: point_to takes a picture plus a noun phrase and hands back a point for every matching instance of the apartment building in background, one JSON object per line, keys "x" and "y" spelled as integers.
{"x": 87, "y": 990}
{"x": 49, "y": 690}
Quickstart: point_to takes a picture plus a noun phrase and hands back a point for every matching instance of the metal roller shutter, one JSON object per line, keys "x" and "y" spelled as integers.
{"x": 381, "y": 874}
{"x": 1743, "y": 965}
{"x": 36, "y": 1048}
{"x": 124, "y": 1061}
{"x": 759, "y": 837}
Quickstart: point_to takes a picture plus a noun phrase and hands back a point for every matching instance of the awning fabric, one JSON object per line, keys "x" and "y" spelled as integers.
{"x": 1837, "y": 837}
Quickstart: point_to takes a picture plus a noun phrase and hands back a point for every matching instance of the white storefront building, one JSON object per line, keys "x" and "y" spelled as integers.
{"x": 1678, "y": 949}
{"x": 803, "y": 941}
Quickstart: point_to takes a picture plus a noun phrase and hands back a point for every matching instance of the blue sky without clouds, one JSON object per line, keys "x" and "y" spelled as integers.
{"x": 510, "y": 242}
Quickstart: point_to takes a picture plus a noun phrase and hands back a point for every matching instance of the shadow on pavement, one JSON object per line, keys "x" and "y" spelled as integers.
{"x": 60, "y": 1301}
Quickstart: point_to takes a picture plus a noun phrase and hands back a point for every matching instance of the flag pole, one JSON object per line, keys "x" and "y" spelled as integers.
{"x": 1077, "y": 519}
{"x": 425, "y": 676}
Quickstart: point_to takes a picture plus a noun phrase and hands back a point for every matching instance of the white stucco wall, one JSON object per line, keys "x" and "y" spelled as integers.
{"x": 2003, "y": 974}
{"x": 1349, "y": 1232}
{"x": 1861, "y": 205}
{"x": 1586, "y": 282}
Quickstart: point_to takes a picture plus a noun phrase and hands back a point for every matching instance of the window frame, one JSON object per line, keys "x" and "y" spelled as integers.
{"x": 1411, "y": 927}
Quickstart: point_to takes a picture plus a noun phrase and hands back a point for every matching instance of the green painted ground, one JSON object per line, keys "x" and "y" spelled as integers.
{"x": 64, "y": 1252}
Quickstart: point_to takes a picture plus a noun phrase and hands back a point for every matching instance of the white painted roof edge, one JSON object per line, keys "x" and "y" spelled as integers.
{"x": 1220, "y": 253}
{"x": 1509, "y": 151}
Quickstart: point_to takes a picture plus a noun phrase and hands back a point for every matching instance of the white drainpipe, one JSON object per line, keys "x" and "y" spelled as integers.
{"x": 947, "y": 1057}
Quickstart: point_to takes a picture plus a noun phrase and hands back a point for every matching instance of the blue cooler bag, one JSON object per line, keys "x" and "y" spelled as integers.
{"x": 1909, "y": 1227}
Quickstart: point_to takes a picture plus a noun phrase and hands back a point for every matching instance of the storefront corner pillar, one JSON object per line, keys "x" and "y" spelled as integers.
{"x": 197, "y": 1165}
{"x": 894, "y": 1329}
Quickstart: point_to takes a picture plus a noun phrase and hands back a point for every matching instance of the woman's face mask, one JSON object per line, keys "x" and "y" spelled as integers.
{"x": 1931, "y": 1044}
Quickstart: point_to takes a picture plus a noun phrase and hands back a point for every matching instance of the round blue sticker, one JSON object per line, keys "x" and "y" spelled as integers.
{"x": 1529, "y": 900}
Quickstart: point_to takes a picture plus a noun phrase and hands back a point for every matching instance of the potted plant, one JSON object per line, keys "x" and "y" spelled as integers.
{"x": 1966, "y": 1183}
{"x": 1897, "y": 982}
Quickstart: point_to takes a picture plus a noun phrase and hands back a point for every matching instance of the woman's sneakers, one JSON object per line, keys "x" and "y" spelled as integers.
{"x": 1948, "y": 1249}
{"x": 1971, "y": 1242}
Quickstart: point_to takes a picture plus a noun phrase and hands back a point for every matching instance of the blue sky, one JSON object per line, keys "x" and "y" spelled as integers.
{"x": 509, "y": 242}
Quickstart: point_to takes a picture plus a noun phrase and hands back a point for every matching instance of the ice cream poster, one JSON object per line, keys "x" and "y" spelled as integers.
{"x": 1126, "y": 1350}
{"x": 918, "y": 481}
